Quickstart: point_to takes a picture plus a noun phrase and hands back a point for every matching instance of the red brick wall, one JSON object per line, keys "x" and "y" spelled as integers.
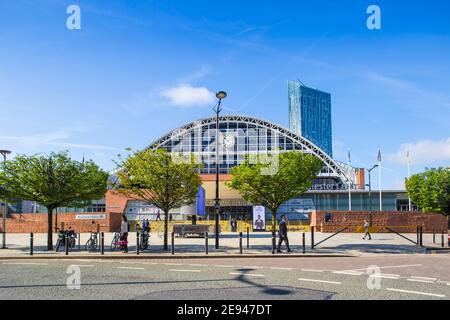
{"x": 398, "y": 221}
{"x": 37, "y": 223}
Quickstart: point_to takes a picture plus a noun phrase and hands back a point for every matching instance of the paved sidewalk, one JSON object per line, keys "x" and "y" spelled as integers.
{"x": 344, "y": 244}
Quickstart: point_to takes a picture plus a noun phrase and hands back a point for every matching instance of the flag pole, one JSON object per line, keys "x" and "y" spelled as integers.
{"x": 409, "y": 175}
{"x": 379, "y": 179}
{"x": 349, "y": 183}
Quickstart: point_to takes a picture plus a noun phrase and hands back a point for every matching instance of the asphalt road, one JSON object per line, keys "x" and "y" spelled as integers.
{"x": 398, "y": 277}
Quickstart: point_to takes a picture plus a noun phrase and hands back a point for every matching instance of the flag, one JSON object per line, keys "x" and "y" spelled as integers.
{"x": 379, "y": 155}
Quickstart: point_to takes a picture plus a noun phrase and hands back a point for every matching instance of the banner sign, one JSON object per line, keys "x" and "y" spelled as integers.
{"x": 259, "y": 218}
{"x": 90, "y": 216}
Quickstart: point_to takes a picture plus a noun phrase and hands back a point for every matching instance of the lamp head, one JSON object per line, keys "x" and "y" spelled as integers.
{"x": 221, "y": 95}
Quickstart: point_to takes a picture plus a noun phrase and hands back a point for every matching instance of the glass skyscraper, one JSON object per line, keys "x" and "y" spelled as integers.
{"x": 310, "y": 115}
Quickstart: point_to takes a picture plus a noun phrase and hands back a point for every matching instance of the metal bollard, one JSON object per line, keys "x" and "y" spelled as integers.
{"x": 66, "y": 245}
{"x": 31, "y": 244}
{"x": 303, "y": 243}
{"x": 273, "y": 242}
{"x": 102, "y": 243}
{"x": 312, "y": 237}
{"x": 137, "y": 243}
{"x": 240, "y": 242}
{"x": 248, "y": 238}
{"x": 173, "y": 243}
{"x": 434, "y": 237}
{"x": 206, "y": 243}
{"x": 79, "y": 241}
{"x": 442, "y": 240}
{"x": 417, "y": 235}
{"x": 421, "y": 235}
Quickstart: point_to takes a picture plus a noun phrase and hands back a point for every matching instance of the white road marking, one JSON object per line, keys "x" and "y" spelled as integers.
{"x": 320, "y": 281}
{"x": 183, "y": 270}
{"x": 418, "y": 280}
{"x": 247, "y": 274}
{"x": 311, "y": 270}
{"x": 423, "y": 278}
{"x": 280, "y": 268}
{"x": 173, "y": 264}
{"x": 196, "y": 265}
{"x": 388, "y": 267}
{"x": 350, "y": 273}
{"x": 26, "y": 263}
{"x": 417, "y": 292}
{"x": 130, "y": 268}
{"x": 385, "y": 276}
{"x": 223, "y": 266}
{"x": 84, "y": 265}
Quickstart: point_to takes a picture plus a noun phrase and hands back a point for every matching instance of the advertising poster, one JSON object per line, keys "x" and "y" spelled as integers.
{"x": 259, "y": 218}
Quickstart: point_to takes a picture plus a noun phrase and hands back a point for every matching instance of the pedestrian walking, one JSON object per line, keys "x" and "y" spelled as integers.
{"x": 124, "y": 234}
{"x": 158, "y": 216}
{"x": 283, "y": 234}
{"x": 366, "y": 228}
{"x": 170, "y": 217}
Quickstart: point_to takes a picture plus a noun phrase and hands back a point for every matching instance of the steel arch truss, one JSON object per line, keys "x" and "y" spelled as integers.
{"x": 334, "y": 166}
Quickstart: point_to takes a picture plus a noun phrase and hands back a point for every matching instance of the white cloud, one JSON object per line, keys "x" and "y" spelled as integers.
{"x": 425, "y": 152}
{"x": 185, "y": 95}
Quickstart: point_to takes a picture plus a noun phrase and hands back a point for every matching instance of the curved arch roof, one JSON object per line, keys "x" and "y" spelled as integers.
{"x": 305, "y": 144}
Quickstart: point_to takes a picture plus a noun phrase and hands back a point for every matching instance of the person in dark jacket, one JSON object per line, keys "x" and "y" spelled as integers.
{"x": 283, "y": 234}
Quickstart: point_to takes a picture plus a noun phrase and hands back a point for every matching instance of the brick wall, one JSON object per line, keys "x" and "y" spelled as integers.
{"x": 398, "y": 221}
{"x": 37, "y": 223}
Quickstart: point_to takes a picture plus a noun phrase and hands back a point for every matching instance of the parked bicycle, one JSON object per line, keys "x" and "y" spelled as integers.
{"x": 92, "y": 243}
{"x": 143, "y": 242}
{"x": 115, "y": 242}
{"x": 70, "y": 235}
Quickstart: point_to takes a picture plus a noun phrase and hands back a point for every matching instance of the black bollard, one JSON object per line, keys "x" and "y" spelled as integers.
{"x": 137, "y": 243}
{"x": 312, "y": 237}
{"x": 66, "y": 245}
{"x": 418, "y": 235}
{"x": 102, "y": 243}
{"x": 173, "y": 243}
{"x": 303, "y": 243}
{"x": 421, "y": 235}
{"x": 273, "y": 242}
{"x": 79, "y": 241}
{"x": 240, "y": 242}
{"x": 434, "y": 237}
{"x": 248, "y": 238}
{"x": 31, "y": 244}
{"x": 442, "y": 240}
{"x": 206, "y": 243}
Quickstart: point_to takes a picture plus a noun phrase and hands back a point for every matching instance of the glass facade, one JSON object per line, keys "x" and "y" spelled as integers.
{"x": 310, "y": 115}
{"x": 237, "y": 140}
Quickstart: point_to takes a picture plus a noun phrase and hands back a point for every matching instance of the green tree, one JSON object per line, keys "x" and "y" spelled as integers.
{"x": 430, "y": 191}
{"x": 153, "y": 177}
{"x": 294, "y": 175}
{"x": 52, "y": 181}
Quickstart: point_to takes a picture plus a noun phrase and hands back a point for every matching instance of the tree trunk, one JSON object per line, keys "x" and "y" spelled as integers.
{"x": 274, "y": 227}
{"x": 50, "y": 229}
{"x": 166, "y": 227}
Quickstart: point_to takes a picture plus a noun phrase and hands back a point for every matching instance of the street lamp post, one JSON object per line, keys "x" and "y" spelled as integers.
{"x": 220, "y": 95}
{"x": 4, "y": 153}
{"x": 370, "y": 194}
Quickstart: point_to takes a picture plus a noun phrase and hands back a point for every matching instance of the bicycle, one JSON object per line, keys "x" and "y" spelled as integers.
{"x": 143, "y": 244}
{"x": 62, "y": 235}
{"x": 115, "y": 242}
{"x": 92, "y": 243}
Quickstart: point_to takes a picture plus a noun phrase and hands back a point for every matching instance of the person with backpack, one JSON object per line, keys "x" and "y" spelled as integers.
{"x": 366, "y": 228}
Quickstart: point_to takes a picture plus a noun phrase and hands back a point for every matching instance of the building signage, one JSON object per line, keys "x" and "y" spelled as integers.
{"x": 90, "y": 216}
{"x": 259, "y": 218}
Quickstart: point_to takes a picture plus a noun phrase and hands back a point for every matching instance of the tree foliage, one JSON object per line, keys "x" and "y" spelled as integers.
{"x": 52, "y": 181}
{"x": 153, "y": 177}
{"x": 430, "y": 190}
{"x": 295, "y": 175}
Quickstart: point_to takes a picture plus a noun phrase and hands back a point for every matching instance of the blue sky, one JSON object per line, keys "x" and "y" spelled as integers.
{"x": 116, "y": 83}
